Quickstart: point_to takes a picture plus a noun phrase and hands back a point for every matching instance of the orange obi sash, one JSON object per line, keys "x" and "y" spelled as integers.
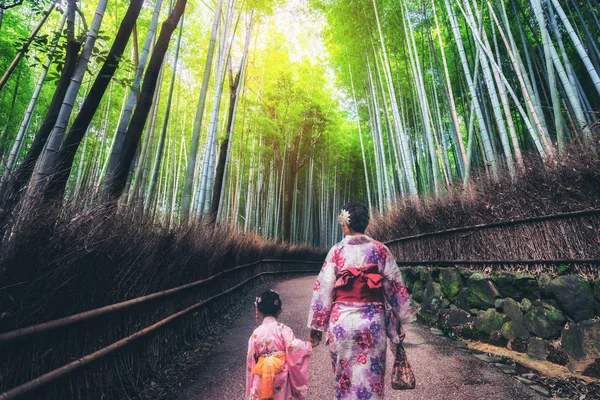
{"x": 267, "y": 367}
{"x": 360, "y": 285}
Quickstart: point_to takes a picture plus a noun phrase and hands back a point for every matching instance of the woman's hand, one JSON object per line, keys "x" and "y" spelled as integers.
{"x": 400, "y": 330}
{"x": 315, "y": 337}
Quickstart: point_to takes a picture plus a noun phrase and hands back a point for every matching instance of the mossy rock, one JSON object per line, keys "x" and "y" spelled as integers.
{"x": 417, "y": 291}
{"x": 525, "y": 305}
{"x": 544, "y": 320}
{"x": 538, "y": 348}
{"x": 451, "y": 282}
{"x": 432, "y": 297}
{"x": 424, "y": 274}
{"x": 544, "y": 283}
{"x": 574, "y": 296}
{"x": 409, "y": 276}
{"x": 496, "y": 339}
{"x": 581, "y": 341}
{"x": 520, "y": 345}
{"x": 470, "y": 332}
{"x": 593, "y": 369}
{"x": 489, "y": 321}
{"x": 514, "y": 330}
{"x": 515, "y": 327}
{"x": 517, "y": 286}
{"x": 557, "y": 354}
{"x": 435, "y": 273}
{"x": 424, "y": 317}
{"x": 482, "y": 293}
{"x": 510, "y": 308}
{"x": 455, "y": 317}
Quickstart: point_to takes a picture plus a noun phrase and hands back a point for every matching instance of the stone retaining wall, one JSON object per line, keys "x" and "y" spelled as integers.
{"x": 554, "y": 318}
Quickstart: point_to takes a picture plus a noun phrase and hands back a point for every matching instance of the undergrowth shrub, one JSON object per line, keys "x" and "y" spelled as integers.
{"x": 570, "y": 184}
{"x": 57, "y": 260}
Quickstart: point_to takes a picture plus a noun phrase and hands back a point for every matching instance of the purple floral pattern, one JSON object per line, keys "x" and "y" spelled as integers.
{"x": 357, "y": 332}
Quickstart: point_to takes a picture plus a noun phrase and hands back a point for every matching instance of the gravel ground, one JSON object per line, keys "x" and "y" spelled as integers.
{"x": 443, "y": 371}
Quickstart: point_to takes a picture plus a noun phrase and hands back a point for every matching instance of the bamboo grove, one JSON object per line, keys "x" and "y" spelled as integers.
{"x": 268, "y": 115}
{"x": 444, "y": 87}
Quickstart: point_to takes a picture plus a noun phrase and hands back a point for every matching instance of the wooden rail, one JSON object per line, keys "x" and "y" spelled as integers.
{"x": 103, "y": 352}
{"x": 47, "y": 326}
{"x": 572, "y": 214}
{"x": 498, "y": 262}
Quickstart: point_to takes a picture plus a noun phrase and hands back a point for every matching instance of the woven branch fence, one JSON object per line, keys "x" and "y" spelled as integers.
{"x": 540, "y": 244}
{"x": 112, "y": 350}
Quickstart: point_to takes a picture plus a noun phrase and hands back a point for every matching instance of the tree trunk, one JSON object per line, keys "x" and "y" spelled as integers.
{"x": 193, "y": 153}
{"x": 115, "y": 182}
{"x": 218, "y": 194}
{"x": 90, "y": 105}
{"x": 20, "y": 178}
{"x": 46, "y": 165}
{"x": 14, "y": 154}
{"x": 163, "y": 135}
{"x": 135, "y": 90}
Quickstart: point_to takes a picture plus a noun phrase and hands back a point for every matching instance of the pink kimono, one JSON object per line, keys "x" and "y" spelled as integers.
{"x": 276, "y": 339}
{"x": 356, "y": 299}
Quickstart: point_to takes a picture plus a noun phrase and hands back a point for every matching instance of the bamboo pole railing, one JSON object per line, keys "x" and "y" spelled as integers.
{"x": 103, "y": 352}
{"x": 549, "y": 217}
{"x": 47, "y": 326}
{"x": 499, "y": 262}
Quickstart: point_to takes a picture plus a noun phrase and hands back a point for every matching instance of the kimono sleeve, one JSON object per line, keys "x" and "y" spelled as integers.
{"x": 322, "y": 297}
{"x": 250, "y": 362}
{"x": 394, "y": 289}
{"x": 297, "y": 353}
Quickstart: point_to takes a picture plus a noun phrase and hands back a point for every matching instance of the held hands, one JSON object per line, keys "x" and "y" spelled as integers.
{"x": 315, "y": 337}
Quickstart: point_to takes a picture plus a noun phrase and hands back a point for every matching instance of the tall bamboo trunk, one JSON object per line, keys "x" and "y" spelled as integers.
{"x": 16, "y": 149}
{"x": 115, "y": 182}
{"x": 46, "y": 165}
{"x": 193, "y": 153}
{"x": 135, "y": 91}
{"x": 163, "y": 135}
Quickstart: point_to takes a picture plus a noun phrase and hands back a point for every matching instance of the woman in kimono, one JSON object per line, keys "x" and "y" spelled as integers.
{"x": 277, "y": 362}
{"x": 359, "y": 300}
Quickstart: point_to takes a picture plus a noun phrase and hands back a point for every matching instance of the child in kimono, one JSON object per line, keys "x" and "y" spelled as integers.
{"x": 277, "y": 362}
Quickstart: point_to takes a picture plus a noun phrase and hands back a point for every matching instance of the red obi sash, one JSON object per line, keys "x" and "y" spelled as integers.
{"x": 360, "y": 285}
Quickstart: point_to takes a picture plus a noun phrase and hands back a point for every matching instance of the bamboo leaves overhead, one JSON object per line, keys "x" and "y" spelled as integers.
{"x": 269, "y": 115}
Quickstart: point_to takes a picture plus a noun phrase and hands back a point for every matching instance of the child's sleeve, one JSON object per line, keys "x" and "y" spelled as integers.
{"x": 297, "y": 354}
{"x": 322, "y": 297}
{"x": 250, "y": 361}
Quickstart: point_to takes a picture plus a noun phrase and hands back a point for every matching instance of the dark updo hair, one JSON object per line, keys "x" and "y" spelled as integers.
{"x": 269, "y": 303}
{"x": 359, "y": 216}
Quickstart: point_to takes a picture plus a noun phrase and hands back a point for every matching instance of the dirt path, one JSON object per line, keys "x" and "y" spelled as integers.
{"x": 443, "y": 371}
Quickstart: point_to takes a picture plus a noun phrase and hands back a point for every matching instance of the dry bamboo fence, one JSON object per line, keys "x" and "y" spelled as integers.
{"x": 535, "y": 244}
{"x": 138, "y": 334}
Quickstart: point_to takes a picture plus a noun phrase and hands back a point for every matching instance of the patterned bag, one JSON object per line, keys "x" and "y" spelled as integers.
{"x": 402, "y": 374}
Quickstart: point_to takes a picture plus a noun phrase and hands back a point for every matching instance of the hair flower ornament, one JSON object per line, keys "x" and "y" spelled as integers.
{"x": 344, "y": 217}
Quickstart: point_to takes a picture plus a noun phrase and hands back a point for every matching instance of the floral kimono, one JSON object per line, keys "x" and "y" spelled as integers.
{"x": 355, "y": 301}
{"x": 277, "y": 362}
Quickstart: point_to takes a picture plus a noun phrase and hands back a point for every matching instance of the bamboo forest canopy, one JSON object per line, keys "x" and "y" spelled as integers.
{"x": 269, "y": 115}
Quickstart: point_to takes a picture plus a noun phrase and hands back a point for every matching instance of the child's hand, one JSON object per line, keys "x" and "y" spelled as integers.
{"x": 315, "y": 337}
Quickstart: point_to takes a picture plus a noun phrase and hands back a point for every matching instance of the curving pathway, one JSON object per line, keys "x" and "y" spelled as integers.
{"x": 443, "y": 370}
